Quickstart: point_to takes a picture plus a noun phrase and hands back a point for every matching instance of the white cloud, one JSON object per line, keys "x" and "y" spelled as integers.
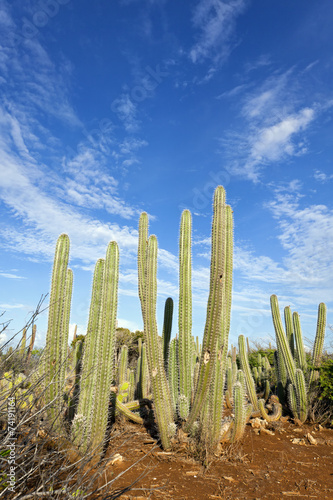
{"x": 126, "y": 110}
{"x": 215, "y": 19}
{"x": 322, "y": 176}
{"x": 12, "y": 276}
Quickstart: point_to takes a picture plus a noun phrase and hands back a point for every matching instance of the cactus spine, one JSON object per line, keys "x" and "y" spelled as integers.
{"x": 57, "y": 335}
{"x": 185, "y": 315}
{"x": 239, "y": 411}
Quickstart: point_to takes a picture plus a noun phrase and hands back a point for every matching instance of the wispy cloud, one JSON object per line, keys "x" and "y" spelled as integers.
{"x": 11, "y": 276}
{"x": 322, "y": 176}
{"x": 215, "y": 21}
{"x": 275, "y": 126}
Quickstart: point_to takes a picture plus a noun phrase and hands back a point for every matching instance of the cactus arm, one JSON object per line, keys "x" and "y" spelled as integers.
{"x": 128, "y": 413}
{"x": 173, "y": 372}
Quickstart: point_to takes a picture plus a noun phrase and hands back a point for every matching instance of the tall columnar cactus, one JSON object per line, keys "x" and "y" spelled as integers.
{"x": 319, "y": 342}
{"x": 57, "y": 334}
{"x": 297, "y": 390}
{"x": 289, "y": 328}
{"x": 218, "y": 382}
{"x": 282, "y": 343}
{"x": 185, "y": 315}
{"x": 167, "y": 326}
{"x": 299, "y": 351}
{"x": 90, "y": 362}
{"x": 142, "y": 258}
{"x": 214, "y": 318}
{"x": 159, "y": 384}
{"x": 251, "y": 390}
{"x": 106, "y": 352}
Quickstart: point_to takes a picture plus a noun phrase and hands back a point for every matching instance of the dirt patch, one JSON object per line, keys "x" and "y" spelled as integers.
{"x": 279, "y": 465}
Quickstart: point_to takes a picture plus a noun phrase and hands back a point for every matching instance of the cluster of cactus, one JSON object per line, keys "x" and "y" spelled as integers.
{"x": 184, "y": 381}
{"x": 295, "y": 377}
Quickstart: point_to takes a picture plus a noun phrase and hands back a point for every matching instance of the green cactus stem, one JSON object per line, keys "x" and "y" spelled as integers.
{"x": 57, "y": 336}
{"x": 107, "y": 329}
{"x": 167, "y": 326}
{"x": 289, "y": 329}
{"x": 159, "y": 384}
{"x": 23, "y": 343}
{"x": 282, "y": 343}
{"x": 142, "y": 261}
{"x": 272, "y": 417}
{"x": 173, "y": 372}
{"x": 319, "y": 342}
{"x": 301, "y": 396}
{"x": 214, "y": 318}
{"x": 88, "y": 384}
{"x": 299, "y": 351}
{"x": 185, "y": 314}
{"x": 122, "y": 367}
{"x": 239, "y": 412}
{"x": 251, "y": 390}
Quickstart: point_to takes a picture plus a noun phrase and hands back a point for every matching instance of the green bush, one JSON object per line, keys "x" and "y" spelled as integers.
{"x": 326, "y": 380}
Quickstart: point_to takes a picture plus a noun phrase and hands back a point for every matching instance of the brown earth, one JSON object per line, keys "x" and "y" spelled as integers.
{"x": 262, "y": 466}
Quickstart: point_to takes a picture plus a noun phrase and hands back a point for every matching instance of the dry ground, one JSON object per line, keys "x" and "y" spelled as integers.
{"x": 261, "y": 466}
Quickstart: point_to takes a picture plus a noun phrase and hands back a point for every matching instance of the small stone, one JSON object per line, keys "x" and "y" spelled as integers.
{"x": 311, "y": 439}
{"x": 116, "y": 458}
{"x": 320, "y": 428}
{"x": 299, "y": 441}
{"x": 266, "y": 431}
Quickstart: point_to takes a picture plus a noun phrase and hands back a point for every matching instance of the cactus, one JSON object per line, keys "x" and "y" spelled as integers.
{"x": 173, "y": 372}
{"x": 282, "y": 344}
{"x": 251, "y": 390}
{"x": 289, "y": 329}
{"x": 159, "y": 384}
{"x": 299, "y": 352}
{"x": 122, "y": 367}
{"x": 98, "y": 359}
{"x": 57, "y": 335}
{"x": 319, "y": 342}
{"x": 167, "y": 326}
{"x": 273, "y": 417}
{"x": 214, "y": 318}
{"x": 88, "y": 384}
{"x": 239, "y": 412}
{"x": 301, "y": 396}
{"x": 185, "y": 314}
{"x": 105, "y": 354}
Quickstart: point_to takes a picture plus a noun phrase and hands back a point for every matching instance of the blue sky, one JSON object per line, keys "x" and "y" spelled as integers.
{"x": 111, "y": 108}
